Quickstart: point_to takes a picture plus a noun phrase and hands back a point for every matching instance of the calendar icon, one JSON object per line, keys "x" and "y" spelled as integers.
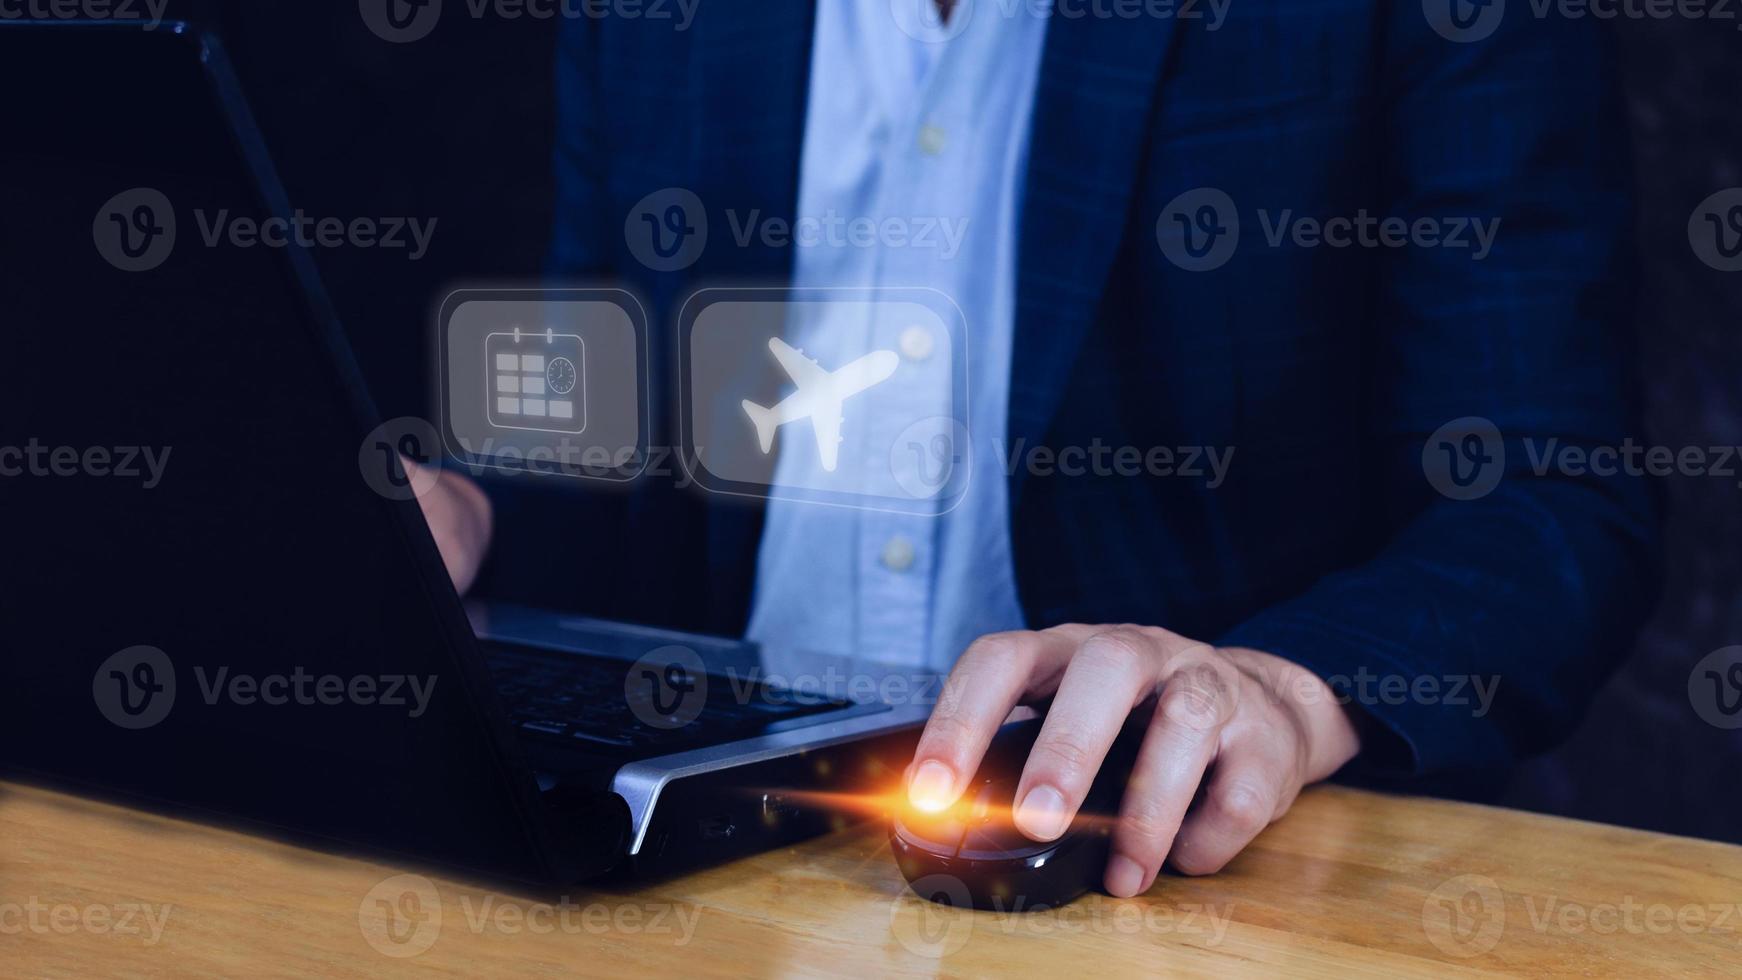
{"x": 536, "y": 381}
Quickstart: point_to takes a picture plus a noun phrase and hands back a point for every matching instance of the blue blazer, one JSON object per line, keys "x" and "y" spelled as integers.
{"x": 1326, "y": 369}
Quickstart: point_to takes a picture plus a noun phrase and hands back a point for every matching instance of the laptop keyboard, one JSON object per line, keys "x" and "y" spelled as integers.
{"x": 584, "y": 701}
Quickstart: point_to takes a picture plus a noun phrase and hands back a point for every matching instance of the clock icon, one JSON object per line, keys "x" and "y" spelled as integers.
{"x": 560, "y": 375}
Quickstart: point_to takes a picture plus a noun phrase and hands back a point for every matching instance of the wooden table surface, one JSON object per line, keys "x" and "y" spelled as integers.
{"x": 1348, "y": 884}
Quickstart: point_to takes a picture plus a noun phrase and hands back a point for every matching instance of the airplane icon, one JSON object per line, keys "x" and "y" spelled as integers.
{"x": 819, "y": 397}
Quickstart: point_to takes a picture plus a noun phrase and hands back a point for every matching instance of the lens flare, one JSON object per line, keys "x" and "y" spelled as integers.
{"x": 932, "y": 788}
{"x": 929, "y": 802}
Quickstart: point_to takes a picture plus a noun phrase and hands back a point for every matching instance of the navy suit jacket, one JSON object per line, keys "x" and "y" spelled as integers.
{"x": 1325, "y": 368}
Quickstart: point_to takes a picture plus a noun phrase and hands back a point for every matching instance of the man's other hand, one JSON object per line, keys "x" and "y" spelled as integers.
{"x": 459, "y": 517}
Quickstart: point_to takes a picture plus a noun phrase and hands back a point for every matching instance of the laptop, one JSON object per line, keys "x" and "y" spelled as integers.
{"x": 205, "y": 604}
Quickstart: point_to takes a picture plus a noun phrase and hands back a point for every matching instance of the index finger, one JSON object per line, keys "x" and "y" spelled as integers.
{"x": 997, "y": 671}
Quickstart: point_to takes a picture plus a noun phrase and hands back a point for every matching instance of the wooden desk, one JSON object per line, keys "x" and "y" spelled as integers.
{"x": 1349, "y": 884}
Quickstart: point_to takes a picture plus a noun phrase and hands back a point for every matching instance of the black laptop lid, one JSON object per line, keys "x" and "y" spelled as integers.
{"x": 182, "y": 494}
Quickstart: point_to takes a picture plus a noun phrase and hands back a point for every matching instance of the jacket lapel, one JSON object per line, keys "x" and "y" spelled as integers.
{"x": 749, "y": 93}
{"x": 749, "y": 86}
{"x": 1097, "y": 85}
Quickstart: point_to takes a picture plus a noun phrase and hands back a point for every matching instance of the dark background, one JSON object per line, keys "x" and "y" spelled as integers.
{"x": 457, "y": 127}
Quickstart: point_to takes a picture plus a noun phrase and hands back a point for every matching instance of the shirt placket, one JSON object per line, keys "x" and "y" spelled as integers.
{"x": 898, "y": 552}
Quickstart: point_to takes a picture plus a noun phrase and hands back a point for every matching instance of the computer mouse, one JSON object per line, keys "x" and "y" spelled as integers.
{"x": 973, "y": 853}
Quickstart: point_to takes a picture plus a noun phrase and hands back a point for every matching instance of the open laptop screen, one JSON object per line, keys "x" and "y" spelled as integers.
{"x": 182, "y": 468}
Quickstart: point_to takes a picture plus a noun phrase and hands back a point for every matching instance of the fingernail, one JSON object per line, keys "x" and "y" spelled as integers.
{"x": 1042, "y": 814}
{"x": 1124, "y": 877}
{"x": 932, "y": 787}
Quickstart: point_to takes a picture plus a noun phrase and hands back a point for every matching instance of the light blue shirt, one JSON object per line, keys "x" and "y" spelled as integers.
{"x": 914, "y": 132}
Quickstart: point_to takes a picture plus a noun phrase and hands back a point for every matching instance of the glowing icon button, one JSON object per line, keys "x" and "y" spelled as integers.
{"x": 820, "y": 397}
{"x": 536, "y": 381}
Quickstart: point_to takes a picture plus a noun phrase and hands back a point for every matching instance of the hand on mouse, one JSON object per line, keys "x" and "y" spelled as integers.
{"x": 1268, "y": 727}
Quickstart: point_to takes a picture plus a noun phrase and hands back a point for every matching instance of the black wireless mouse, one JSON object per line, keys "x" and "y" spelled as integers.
{"x": 972, "y": 852}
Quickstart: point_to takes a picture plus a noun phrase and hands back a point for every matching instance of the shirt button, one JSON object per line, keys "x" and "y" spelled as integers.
{"x": 931, "y": 140}
{"x": 916, "y": 343}
{"x": 898, "y": 554}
